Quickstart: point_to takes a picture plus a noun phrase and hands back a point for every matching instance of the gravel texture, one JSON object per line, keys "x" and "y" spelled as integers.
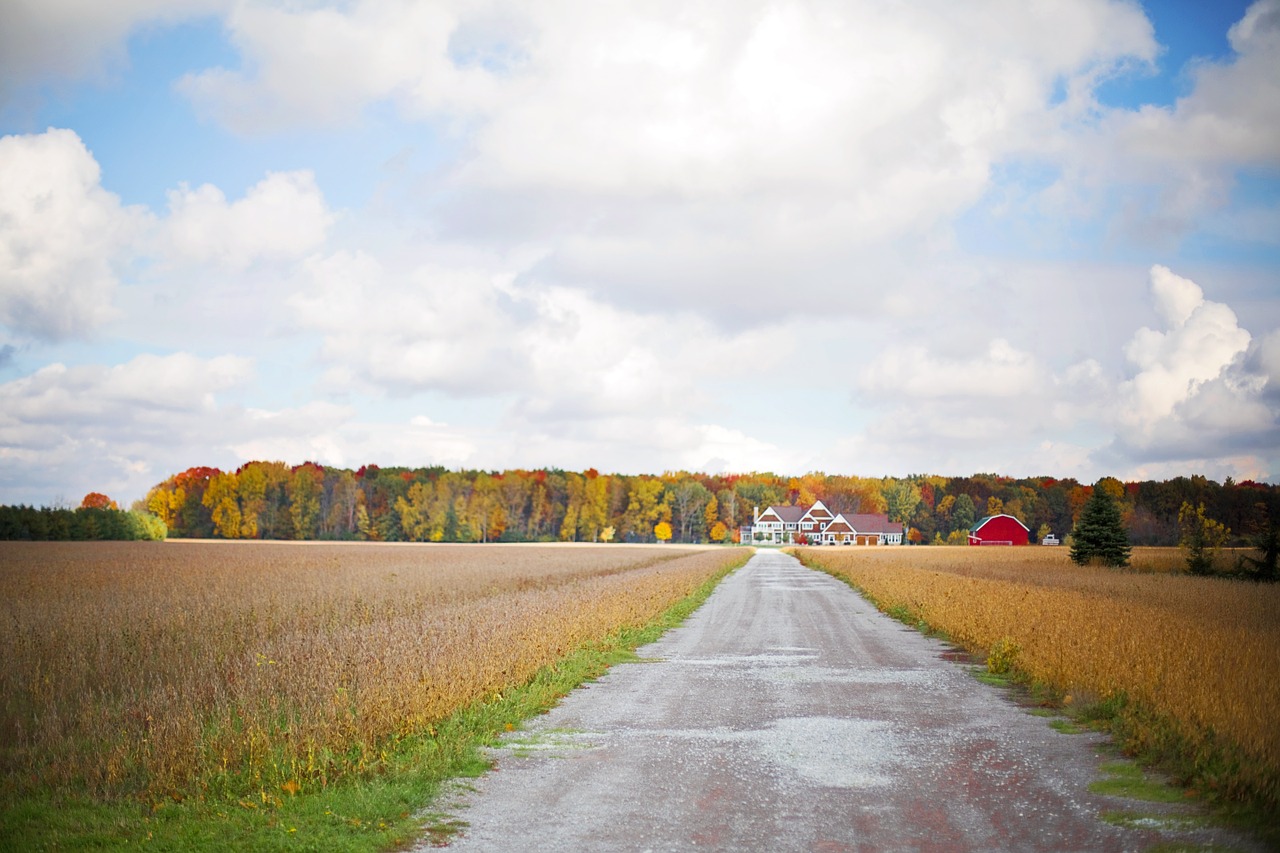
{"x": 788, "y": 714}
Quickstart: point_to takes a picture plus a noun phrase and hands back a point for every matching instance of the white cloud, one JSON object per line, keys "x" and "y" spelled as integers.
{"x": 750, "y": 140}
{"x": 556, "y": 353}
{"x": 317, "y": 65}
{"x": 1169, "y": 168}
{"x": 1203, "y": 390}
{"x": 912, "y": 371}
{"x": 283, "y": 216}
{"x": 61, "y": 236}
{"x": 87, "y": 394}
{"x": 52, "y": 39}
{"x": 117, "y": 428}
{"x": 1201, "y": 340}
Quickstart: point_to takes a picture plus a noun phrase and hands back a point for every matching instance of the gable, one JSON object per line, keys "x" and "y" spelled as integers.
{"x": 819, "y": 512}
{"x": 997, "y": 522}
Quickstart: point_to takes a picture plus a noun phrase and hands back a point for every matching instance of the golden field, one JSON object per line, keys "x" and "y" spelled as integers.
{"x": 181, "y": 667}
{"x": 1203, "y": 653}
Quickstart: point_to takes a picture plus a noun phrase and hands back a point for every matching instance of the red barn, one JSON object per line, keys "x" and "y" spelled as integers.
{"x": 999, "y": 530}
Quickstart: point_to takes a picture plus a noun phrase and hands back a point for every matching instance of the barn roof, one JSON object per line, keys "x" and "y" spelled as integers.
{"x": 978, "y": 526}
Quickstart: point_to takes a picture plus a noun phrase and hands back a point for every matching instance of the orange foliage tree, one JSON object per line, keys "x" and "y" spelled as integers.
{"x": 97, "y": 500}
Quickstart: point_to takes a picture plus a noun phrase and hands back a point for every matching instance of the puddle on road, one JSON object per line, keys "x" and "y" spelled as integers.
{"x": 833, "y": 752}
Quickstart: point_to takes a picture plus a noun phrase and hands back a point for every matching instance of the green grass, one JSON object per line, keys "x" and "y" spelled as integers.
{"x": 1126, "y": 779}
{"x": 382, "y": 812}
{"x": 1067, "y": 727}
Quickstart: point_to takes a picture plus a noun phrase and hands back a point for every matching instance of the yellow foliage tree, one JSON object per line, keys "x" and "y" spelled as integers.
{"x": 662, "y": 530}
{"x": 718, "y": 531}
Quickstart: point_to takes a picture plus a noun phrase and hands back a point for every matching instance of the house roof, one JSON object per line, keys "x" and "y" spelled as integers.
{"x": 789, "y": 514}
{"x": 978, "y": 526}
{"x": 865, "y": 522}
{"x": 849, "y": 522}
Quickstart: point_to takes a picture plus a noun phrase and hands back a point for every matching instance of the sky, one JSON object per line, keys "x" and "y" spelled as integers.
{"x": 860, "y": 237}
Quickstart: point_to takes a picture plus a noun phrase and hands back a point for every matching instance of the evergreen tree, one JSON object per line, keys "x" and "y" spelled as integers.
{"x": 1100, "y": 534}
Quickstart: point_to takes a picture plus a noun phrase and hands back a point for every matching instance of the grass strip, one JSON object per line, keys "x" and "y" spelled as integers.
{"x": 377, "y": 813}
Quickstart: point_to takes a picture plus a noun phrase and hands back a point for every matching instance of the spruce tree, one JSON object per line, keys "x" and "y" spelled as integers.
{"x": 1100, "y": 534}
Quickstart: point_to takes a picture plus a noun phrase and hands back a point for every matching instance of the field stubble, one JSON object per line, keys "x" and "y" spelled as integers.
{"x": 181, "y": 669}
{"x": 1199, "y": 654}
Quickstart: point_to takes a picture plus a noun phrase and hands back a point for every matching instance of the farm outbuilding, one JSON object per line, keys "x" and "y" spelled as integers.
{"x": 999, "y": 530}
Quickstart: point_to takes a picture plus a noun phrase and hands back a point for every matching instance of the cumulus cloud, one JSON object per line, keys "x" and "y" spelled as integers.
{"x": 1203, "y": 387}
{"x": 61, "y": 236}
{"x": 1200, "y": 341}
{"x": 1197, "y": 393}
{"x": 283, "y": 216}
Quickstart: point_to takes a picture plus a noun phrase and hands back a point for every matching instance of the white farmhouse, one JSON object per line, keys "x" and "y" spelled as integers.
{"x": 817, "y": 525}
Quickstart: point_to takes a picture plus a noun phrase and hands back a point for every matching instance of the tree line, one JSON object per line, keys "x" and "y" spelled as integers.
{"x": 273, "y": 500}
{"x": 41, "y": 524}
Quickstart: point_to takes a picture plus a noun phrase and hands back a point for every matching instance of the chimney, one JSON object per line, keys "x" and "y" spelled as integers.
{"x": 756, "y": 516}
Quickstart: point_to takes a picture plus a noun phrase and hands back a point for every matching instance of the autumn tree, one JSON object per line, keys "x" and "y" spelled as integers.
{"x": 415, "y": 512}
{"x": 688, "y": 498}
{"x": 727, "y": 500}
{"x": 304, "y": 490}
{"x": 222, "y": 500}
{"x": 1202, "y": 537}
{"x": 340, "y": 514}
{"x": 97, "y": 500}
{"x": 662, "y": 532}
{"x": 711, "y": 514}
{"x": 642, "y": 513}
{"x": 251, "y": 486}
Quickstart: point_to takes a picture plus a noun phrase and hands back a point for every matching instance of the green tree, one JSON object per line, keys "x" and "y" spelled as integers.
{"x": 1201, "y": 538}
{"x": 1099, "y": 534}
{"x": 963, "y": 513}
{"x": 901, "y": 497}
{"x": 1266, "y": 566}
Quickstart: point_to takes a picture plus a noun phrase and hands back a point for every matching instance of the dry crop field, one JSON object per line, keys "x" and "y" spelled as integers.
{"x": 1202, "y": 653}
{"x": 174, "y": 669}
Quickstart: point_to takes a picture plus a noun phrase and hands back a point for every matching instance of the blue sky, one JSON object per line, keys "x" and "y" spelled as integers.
{"x": 854, "y": 237}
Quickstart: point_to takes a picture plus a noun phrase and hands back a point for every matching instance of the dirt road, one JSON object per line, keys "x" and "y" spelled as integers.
{"x": 787, "y": 714}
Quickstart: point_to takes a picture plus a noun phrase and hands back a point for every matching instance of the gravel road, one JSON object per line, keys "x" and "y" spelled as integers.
{"x": 787, "y": 714}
